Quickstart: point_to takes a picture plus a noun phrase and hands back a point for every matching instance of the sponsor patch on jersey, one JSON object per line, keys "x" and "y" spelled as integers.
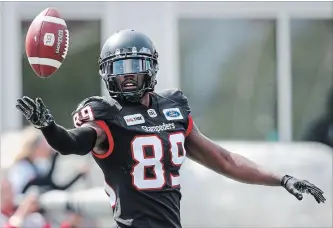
{"x": 172, "y": 114}
{"x": 134, "y": 119}
{"x": 152, "y": 113}
{"x": 159, "y": 128}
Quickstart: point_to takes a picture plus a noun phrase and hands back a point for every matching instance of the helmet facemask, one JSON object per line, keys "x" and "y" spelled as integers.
{"x": 137, "y": 70}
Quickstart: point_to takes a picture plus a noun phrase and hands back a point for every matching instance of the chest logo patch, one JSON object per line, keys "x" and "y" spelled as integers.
{"x": 152, "y": 113}
{"x": 173, "y": 114}
{"x": 134, "y": 119}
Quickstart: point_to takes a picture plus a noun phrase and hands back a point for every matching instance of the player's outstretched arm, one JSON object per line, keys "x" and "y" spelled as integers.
{"x": 235, "y": 166}
{"x": 73, "y": 141}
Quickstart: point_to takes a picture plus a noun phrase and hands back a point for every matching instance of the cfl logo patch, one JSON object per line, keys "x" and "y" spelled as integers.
{"x": 48, "y": 39}
{"x": 152, "y": 113}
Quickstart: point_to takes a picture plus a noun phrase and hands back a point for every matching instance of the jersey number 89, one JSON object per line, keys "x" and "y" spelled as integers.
{"x": 140, "y": 181}
{"x": 84, "y": 115}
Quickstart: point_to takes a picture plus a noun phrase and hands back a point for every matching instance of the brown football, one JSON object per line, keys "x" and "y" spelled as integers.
{"x": 47, "y": 42}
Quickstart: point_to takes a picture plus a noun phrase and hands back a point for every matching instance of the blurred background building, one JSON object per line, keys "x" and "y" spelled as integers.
{"x": 256, "y": 74}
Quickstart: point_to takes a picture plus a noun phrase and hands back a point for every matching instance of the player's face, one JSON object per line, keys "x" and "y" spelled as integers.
{"x": 130, "y": 83}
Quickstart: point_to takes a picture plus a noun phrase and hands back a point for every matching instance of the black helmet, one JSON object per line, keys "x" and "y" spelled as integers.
{"x": 128, "y": 52}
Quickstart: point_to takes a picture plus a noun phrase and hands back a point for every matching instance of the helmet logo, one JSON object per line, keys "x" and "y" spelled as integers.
{"x": 145, "y": 50}
{"x": 134, "y": 50}
{"x": 117, "y": 52}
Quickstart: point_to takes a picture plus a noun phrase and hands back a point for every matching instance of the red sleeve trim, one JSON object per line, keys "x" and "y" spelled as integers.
{"x": 105, "y": 127}
{"x": 189, "y": 126}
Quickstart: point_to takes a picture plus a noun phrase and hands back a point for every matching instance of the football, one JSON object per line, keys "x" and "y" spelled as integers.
{"x": 47, "y": 42}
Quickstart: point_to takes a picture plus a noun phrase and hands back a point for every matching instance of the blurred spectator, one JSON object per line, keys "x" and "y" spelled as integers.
{"x": 35, "y": 164}
{"x": 25, "y": 215}
{"x": 321, "y": 130}
{"x": 74, "y": 221}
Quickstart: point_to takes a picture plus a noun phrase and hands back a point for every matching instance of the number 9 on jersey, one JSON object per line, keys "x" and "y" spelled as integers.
{"x": 140, "y": 181}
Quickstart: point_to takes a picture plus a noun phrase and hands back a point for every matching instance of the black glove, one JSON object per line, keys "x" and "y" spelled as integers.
{"x": 35, "y": 112}
{"x": 298, "y": 187}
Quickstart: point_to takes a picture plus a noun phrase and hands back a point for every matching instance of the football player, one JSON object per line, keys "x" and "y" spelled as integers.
{"x": 140, "y": 138}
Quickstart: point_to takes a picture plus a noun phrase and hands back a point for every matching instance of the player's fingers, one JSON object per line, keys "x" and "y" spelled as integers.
{"x": 296, "y": 193}
{"x": 315, "y": 197}
{"x": 310, "y": 184}
{"x": 29, "y": 101}
{"x": 27, "y": 104}
{"x": 315, "y": 191}
{"x": 23, "y": 106}
{"x": 40, "y": 102}
{"x": 319, "y": 197}
{"x": 313, "y": 187}
{"x": 24, "y": 111}
{"x": 299, "y": 196}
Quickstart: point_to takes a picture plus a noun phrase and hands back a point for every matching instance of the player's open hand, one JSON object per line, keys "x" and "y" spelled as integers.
{"x": 35, "y": 111}
{"x": 298, "y": 187}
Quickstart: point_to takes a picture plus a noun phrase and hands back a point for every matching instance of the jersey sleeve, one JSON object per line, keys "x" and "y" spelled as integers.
{"x": 184, "y": 102}
{"x": 101, "y": 111}
{"x": 179, "y": 97}
{"x": 95, "y": 109}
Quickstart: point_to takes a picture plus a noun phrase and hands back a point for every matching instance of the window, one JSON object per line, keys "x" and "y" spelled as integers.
{"x": 312, "y": 71}
{"x": 227, "y": 70}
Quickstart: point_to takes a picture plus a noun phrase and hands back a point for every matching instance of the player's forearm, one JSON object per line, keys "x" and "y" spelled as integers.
{"x": 204, "y": 151}
{"x": 74, "y": 141}
{"x": 242, "y": 169}
{"x": 232, "y": 165}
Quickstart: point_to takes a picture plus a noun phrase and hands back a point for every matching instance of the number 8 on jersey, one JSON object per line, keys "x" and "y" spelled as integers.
{"x": 138, "y": 145}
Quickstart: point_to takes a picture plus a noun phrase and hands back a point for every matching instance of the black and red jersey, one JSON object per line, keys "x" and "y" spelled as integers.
{"x": 145, "y": 150}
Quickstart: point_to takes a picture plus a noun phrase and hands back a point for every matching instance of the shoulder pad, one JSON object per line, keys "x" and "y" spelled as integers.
{"x": 95, "y": 108}
{"x": 99, "y": 102}
{"x": 177, "y": 96}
